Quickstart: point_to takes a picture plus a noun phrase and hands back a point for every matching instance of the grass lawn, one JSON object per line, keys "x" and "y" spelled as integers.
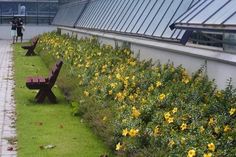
{"x": 39, "y": 125}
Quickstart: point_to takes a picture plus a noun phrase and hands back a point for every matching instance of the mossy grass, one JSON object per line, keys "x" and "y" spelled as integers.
{"x": 39, "y": 125}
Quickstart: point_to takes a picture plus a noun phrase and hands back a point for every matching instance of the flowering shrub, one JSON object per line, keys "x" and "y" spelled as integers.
{"x": 147, "y": 109}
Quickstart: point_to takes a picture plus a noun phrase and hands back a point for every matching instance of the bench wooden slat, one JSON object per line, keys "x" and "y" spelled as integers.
{"x": 30, "y": 48}
{"x": 44, "y": 84}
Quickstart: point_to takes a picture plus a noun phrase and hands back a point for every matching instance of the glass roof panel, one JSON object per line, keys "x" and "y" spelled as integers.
{"x": 211, "y": 15}
{"x": 158, "y": 18}
{"x": 231, "y": 20}
{"x": 118, "y": 14}
{"x": 144, "y": 15}
{"x": 127, "y": 14}
{"x": 209, "y": 10}
{"x": 109, "y": 15}
{"x": 68, "y": 14}
{"x": 197, "y": 10}
{"x": 152, "y": 14}
{"x": 182, "y": 8}
{"x": 101, "y": 13}
{"x": 122, "y": 15}
{"x": 165, "y": 22}
{"x": 137, "y": 15}
{"x": 132, "y": 15}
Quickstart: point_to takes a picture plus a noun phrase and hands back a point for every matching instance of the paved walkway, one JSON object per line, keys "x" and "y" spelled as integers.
{"x": 7, "y": 104}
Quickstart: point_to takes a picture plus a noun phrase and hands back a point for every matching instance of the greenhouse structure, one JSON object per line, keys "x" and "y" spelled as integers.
{"x": 193, "y": 33}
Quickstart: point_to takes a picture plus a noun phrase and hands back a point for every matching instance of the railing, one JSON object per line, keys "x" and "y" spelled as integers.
{"x": 28, "y": 19}
{"x": 35, "y": 12}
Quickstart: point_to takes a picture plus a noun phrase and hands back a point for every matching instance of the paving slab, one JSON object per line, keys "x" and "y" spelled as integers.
{"x": 7, "y": 103}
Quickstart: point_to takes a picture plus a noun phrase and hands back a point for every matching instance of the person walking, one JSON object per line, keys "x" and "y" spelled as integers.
{"x": 13, "y": 29}
{"x": 19, "y": 28}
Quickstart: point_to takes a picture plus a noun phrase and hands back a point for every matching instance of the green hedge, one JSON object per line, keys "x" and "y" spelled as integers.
{"x": 142, "y": 109}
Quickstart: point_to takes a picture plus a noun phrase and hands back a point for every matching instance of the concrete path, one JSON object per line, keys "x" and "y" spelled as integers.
{"x": 7, "y": 104}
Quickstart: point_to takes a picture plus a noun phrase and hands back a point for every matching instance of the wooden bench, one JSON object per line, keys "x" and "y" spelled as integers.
{"x": 44, "y": 85}
{"x": 30, "y": 48}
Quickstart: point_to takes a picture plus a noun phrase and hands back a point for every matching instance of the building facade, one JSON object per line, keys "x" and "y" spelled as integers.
{"x": 31, "y": 11}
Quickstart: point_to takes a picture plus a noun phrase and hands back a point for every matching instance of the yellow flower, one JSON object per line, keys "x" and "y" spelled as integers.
{"x": 104, "y": 66}
{"x": 86, "y": 93}
{"x": 110, "y": 92}
{"x": 113, "y": 85}
{"x": 125, "y": 132}
{"x": 109, "y": 77}
{"x": 202, "y": 129}
{"x": 131, "y": 97}
{"x": 118, "y": 76}
{"x": 133, "y": 132}
{"x": 87, "y": 65}
{"x": 211, "y": 121}
{"x": 227, "y": 128}
{"x": 167, "y": 115}
{"x": 170, "y": 120}
{"x": 135, "y": 112}
{"x": 218, "y": 94}
{"x": 158, "y": 84}
{"x": 183, "y": 126}
{"x": 151, "y": 88}
{"x": 144, "y": 101}
{"x": 232, "y": 111}
{"x": 185, "y": 80}
{"x": 171, "y": 143}
{"x": 156, "y": 131}
{"x": 132, "y": 63}
{"x": 120, "y": 96}
{"x": 104, "y": 118}
{"x": 118, "y": 146}
{"x": 211, "y": 147}
{"x": 162, "y": 97}
{"x": 175, "y": 110}
{"x": 96, "y": 74}
{"x": 207, "y": 155}
{"x": 191, "y": 153}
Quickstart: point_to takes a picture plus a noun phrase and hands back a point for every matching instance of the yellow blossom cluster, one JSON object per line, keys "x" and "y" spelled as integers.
{"x": 162, "y": 105}
{"x": 135, "y": 112}
{"x": 131, "y": 132}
